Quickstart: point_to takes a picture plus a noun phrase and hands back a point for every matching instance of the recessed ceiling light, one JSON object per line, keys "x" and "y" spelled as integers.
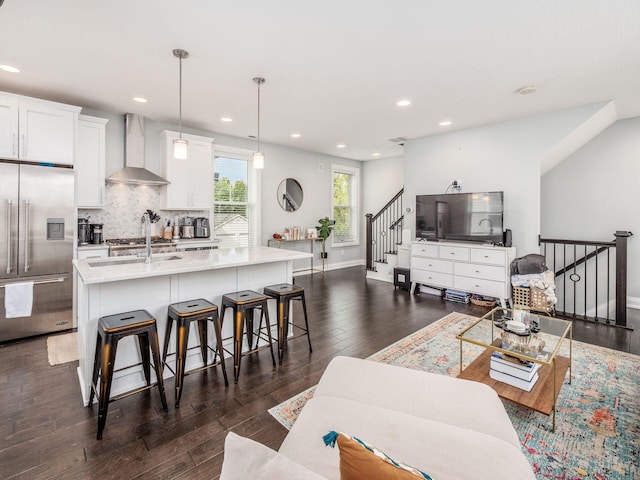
{"x": 9, "y": 68}
{"x": 295, "y": 135}
{"x": 140, "y": 99}
{"x": 403, "y": 103}
{"x": 226, "y": 119}
{"x": 527, "y": 89}
{"x": 341, "y": 145}
{"x": 445, "y": 123}
{"x": 375, "y": 154}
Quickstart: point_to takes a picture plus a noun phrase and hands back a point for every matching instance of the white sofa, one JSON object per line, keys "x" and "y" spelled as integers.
{"x": 447, "y": 427}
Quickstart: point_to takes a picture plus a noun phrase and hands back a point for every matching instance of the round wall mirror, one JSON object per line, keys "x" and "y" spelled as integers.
{"x": 290, "y": 194}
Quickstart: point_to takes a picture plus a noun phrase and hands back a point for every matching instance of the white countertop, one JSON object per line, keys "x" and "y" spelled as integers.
{"x": 103, "y": 270}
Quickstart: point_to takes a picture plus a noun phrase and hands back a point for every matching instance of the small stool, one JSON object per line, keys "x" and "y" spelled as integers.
{"x": 183, "y": 313}
{"x": 284, "y": 293}
{"x": 112, "y": 329}
{"x": 243, "y": 304}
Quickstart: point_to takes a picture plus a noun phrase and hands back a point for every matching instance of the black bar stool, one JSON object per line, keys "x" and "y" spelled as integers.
{"x": 243, "y": 304}
{"x": 283, "y": 294}
{"x": 183, "y": 313}
{"x": 112, "y": 329}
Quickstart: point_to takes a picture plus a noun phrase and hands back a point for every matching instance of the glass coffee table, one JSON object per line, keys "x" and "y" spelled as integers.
{"x": 539, "y": 343}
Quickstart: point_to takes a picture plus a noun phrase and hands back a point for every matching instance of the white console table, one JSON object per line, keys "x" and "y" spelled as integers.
{"x": 480, "y": 269}
{"x": 279, "y": 242}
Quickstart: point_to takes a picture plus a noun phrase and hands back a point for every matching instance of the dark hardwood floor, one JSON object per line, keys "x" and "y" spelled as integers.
{"x": 47, "y": 433}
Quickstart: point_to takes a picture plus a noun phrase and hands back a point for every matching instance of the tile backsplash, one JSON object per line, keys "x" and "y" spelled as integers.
{"x": 124, "y": 207}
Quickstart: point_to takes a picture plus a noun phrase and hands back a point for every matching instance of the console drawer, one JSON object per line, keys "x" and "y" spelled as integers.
{"x": 424, "y": 250}
{"x": 486, "y": 272}
{"x": 477, "y": 285}
{"x": 454, "y": 253}
{"x": 431, "y": 265}
{"x": 431, "y": 278}
{"x": 494, "y": 257}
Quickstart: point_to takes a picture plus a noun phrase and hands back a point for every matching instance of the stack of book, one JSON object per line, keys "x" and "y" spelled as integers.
{"x": 456, "y": 296}
{"x": 513, "y": 371}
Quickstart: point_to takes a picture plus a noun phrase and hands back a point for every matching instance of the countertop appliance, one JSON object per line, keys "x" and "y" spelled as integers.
{"x": 36, "y": 245}
{"x": 96, "y": 233}
{"x": 84, "y": 235}
{"x": 201, "y": 227}
{"x": 119, "y": 247}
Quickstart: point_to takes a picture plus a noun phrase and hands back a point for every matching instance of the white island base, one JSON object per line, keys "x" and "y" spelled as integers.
{"x": 105, "y": 287}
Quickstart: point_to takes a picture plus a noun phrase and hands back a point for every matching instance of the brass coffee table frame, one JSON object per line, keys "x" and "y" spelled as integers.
{"x": 542, "y": 398}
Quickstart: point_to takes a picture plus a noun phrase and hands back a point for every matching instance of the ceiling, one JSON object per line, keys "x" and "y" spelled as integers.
{"x": 334, "y": 69}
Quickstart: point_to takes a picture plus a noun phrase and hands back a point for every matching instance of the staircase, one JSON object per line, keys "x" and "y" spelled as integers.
{"x": 590, "y": 277}
{"x": 383, "y": 238}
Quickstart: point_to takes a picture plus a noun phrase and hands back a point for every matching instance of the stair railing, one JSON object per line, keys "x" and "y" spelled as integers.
{"x": 584, "y": 272}
{"x": 384, "y": 231}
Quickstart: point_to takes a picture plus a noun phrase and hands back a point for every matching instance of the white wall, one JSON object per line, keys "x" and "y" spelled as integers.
{"x": 381, "y": 180}
{"x": 280, "y": 162}
{"x": 594, "y": 192}
{"x": 503, "y": 156}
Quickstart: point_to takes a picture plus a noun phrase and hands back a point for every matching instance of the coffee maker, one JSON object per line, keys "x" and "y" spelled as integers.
{"x": 96, "y": 233}
{"x": 201, "y": 227}
{"x": 84, "y": 234}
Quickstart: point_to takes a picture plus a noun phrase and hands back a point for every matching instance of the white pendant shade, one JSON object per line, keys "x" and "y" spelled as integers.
{"x": 258, "y": 160}
{"x": 180, "y": 149}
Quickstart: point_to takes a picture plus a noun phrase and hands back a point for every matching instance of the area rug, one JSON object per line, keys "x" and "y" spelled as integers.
{"x": 598, "y": 415}
{"x": 62, "y": 348}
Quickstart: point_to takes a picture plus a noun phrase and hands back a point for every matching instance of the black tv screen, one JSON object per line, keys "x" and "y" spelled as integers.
{"x": 467, "y": 217}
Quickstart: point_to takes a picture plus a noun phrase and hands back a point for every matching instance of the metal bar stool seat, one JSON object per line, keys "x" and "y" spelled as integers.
{"x": 183, "y": 313}
{"x": 111, "y": 329}
{"x": 243, "y": 304}
{"x": 283, "y": 293}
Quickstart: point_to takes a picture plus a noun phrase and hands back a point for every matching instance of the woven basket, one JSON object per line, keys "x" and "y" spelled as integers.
{"x": 531, "y": 299}
{"x": 483, "y": 303}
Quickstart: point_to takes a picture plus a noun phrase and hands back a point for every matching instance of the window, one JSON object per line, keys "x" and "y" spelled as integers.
{"x": 235, "y": 189}
{"x": 344, "y": 205}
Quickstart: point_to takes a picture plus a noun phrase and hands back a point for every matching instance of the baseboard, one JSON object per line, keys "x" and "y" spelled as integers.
{"x": 633, "y": 302}
{"x": 331, "y": 266}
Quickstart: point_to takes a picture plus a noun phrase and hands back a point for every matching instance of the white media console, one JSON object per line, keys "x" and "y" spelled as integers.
{"x": 472, "y": 268}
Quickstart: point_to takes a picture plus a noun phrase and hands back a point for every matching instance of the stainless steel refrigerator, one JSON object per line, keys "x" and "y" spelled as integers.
{"x": 36, "y": 244}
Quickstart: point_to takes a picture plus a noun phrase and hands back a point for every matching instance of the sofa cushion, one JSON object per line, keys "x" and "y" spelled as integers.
{"x": 359, "y": 459}
{"x": 245, "y": 458}
{"x": 466, "y": 404}
{"x": 442, "y": 450}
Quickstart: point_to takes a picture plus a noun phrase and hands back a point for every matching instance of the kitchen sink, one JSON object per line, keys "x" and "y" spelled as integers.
{"x": 128, "y": 261}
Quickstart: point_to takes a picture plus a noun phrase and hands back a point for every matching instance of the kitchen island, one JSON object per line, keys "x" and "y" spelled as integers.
{"x": 107, "y": 286}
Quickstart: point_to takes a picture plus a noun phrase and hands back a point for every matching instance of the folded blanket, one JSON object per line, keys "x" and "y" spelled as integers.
{"x": 519, "y": 280}
{"x": 532, "y": 263}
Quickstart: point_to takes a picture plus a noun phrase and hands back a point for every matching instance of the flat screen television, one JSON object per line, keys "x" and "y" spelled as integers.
{"x": 467, "y": 217}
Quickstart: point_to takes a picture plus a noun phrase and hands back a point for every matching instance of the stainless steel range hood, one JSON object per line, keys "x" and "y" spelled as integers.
{"x": 134, "y": 171}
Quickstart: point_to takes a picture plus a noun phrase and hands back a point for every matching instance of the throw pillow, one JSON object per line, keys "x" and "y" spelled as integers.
{"x": 246, "y": 458}
{"x": 359, "y": 460}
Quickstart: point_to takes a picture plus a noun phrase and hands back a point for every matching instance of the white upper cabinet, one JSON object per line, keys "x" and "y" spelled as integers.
{"x": 90, "y": 162}
{"x": 8, "y": 128}
{"x": 37, "y": 130}
{"x": 191, "y": 186}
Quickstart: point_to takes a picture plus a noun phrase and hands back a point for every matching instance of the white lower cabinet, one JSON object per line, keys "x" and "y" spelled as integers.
{"x": 481, "y": 269}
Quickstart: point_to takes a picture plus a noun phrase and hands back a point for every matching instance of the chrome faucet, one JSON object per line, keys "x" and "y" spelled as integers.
{"x": 147, "y": 229}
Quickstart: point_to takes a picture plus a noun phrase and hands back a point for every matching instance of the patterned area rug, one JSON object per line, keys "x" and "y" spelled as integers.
{"x": 598, "y": 415}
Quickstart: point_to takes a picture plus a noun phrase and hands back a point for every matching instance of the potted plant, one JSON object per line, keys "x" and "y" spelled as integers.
{"x": 324, "y": 230}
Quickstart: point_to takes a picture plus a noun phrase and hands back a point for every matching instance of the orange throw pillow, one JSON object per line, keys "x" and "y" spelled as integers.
{"x": 360, "y": 461}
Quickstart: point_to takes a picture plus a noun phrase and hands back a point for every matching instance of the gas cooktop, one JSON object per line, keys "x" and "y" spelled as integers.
{"x": 116, "y": 242}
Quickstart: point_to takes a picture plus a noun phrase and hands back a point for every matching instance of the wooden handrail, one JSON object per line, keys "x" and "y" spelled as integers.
{"x": 395, "y": 197}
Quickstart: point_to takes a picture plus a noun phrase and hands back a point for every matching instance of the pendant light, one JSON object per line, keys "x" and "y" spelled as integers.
{"x": 258, "y": 157}
{"x": 180, "y": 146}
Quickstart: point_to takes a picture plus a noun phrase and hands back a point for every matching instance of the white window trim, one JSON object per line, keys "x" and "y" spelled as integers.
{"x": 356, "y": 202}
{"x": 255, "y": 185}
